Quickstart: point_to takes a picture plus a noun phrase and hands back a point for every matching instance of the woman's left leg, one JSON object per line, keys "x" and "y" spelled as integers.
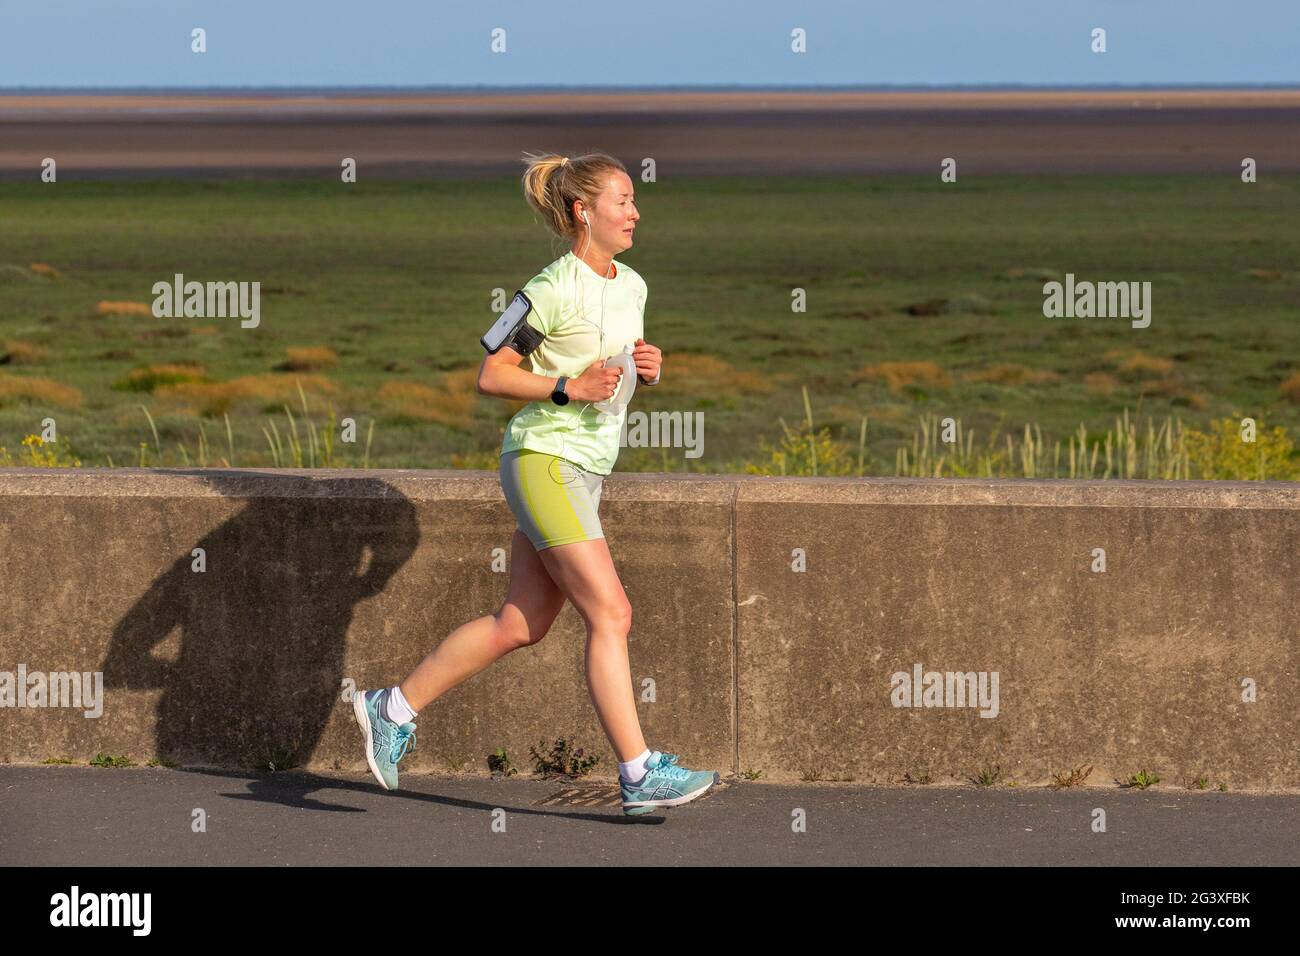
{"x": 532, "y": 603}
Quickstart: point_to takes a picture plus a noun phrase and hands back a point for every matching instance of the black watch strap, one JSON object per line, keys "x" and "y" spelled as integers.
{"x": 558, "y": 395}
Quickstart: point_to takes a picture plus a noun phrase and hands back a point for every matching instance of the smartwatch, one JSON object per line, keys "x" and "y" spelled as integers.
{"x": 558, "y": 396}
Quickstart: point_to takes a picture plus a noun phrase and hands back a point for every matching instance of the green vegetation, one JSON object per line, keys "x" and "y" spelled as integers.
{"x": 102, "y": 759}
{"x": 943, "y": 449}
{"x": 923, "y": 303}
{"x": 278, "y": 759}
{"x": 1141, "y": 780}
{"x": 562, "y": 760}
{"x": 500, "y": 764}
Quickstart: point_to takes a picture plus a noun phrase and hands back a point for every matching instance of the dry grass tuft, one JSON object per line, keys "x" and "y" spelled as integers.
{"x": 450, "y": 403}
{"x": 1175, "y": 391}
{"x": 898, "y": 375}
{"x": 697, "y": 374}
{"x": 23, "y": 353}
{"x": 311, "y": 358}
{"x": 150, "y": 377}
{"x": 1140, "y": 364}
{"x": 1009, "y": 373}
{"x": 214, "y": 398}
{"x": 1100, "y": 383}
{"x": 40, "y": 390}
{"x": 123, "y": 308}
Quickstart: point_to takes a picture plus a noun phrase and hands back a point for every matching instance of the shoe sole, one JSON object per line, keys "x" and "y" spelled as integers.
{"x": 637, "y": 808}
{"x": 363, "y": 721}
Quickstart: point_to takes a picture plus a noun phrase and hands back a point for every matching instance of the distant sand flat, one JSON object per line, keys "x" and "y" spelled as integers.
{"x": 436, "y": 134}
{"x": 617, "y": 102}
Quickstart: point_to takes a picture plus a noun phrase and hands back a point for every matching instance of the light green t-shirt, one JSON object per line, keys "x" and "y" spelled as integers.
{"x": 572, "y": 303}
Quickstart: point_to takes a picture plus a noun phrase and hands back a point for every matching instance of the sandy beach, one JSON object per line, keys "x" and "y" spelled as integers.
{"x": 847, "y": 133}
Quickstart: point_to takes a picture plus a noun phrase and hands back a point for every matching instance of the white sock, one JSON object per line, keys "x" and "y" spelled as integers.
{"x": 634, "y": 770}
{"x": 397, "y": 709}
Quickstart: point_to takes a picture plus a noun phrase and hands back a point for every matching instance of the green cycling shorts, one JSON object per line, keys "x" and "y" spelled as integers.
{"x": 554, "y": 500}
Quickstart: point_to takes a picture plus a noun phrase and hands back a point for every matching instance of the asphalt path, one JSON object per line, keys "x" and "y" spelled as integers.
{"x": 88, "y": 816}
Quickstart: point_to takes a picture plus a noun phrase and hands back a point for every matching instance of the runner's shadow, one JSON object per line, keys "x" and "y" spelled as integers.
{"x": 291, "y": 789}
{"x": 263, "y": 628}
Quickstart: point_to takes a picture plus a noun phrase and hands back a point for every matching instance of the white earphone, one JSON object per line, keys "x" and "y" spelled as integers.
{"x": 582, "y": 315}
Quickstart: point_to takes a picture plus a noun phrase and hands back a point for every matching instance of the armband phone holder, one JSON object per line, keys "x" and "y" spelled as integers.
{"x": 512, "y": 329}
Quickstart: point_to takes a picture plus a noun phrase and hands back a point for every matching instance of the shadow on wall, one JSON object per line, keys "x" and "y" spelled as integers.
{"x": 263, "y": 630}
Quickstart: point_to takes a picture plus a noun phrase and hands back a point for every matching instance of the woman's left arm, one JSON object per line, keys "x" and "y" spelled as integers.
{"x": 648, "y": 360}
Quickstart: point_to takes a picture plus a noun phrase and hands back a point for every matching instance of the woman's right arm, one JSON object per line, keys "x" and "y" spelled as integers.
{"x": 500, "y": 375}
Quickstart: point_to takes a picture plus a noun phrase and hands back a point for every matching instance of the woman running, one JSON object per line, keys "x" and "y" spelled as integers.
{"x": 556, "y": 452}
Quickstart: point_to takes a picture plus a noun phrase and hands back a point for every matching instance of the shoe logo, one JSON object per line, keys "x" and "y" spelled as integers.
{"x": 661, "y": 791}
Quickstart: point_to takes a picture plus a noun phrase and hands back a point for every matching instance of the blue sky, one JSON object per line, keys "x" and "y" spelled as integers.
{"x": 95, "y": 43}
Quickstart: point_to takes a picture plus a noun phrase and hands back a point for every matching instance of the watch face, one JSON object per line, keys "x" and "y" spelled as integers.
{"x": 559, "y": 398}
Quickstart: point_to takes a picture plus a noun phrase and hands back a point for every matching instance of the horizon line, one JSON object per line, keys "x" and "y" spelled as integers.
{"x": 488, "y": 89}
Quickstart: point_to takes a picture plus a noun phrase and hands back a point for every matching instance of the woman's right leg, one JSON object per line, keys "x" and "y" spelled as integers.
{"x": 532, "y": 603}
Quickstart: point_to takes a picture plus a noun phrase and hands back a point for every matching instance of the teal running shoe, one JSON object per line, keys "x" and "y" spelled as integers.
{"x": 665, "y": 785}
{"x": 386, "y": 742}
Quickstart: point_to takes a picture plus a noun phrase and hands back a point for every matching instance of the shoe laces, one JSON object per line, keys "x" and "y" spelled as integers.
{"x": 664, "y": 767}
{"x": 403, "y": 741}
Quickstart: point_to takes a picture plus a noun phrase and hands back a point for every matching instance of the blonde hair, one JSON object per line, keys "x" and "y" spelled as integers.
{"x": 552, "y": 183}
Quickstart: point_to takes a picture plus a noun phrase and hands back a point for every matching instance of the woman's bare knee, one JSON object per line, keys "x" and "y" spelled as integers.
{"x": 515, "y": 629}
{"x": 512, "y": 631}
{"x": 611, "y": 617}
{"x": 585, "y": 574}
